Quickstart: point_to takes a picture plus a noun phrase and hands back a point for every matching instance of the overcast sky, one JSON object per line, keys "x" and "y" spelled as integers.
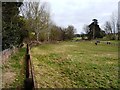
{"x": 80, "y": 12}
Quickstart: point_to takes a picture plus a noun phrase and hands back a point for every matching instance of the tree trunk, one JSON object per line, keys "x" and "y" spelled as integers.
{"x": 37, "y": 37}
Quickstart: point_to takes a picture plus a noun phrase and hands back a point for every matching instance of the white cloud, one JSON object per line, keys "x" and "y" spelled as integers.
{"x": 80, "y": 12}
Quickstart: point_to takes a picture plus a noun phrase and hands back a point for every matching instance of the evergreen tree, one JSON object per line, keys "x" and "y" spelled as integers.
{"x": 12, "y": 25}
{"x": 94, "y": 30}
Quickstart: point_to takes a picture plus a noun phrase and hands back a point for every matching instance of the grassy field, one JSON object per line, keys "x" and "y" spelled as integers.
{"x": 76, "y": 65}
{"x": 13, "y": 70}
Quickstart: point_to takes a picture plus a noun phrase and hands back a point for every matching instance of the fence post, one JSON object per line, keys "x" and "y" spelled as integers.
{"x": 29, "y": 84}
{"x": 27, "y": 61}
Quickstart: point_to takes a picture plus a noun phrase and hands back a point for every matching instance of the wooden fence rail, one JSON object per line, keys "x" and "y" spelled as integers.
{"x": 29, "y": 81}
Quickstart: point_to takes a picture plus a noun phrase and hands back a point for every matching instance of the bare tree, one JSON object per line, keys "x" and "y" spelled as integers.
{"x": 108, "y": 27}
{"x": 114, "y": 20}
{"x": 37, "y": 16}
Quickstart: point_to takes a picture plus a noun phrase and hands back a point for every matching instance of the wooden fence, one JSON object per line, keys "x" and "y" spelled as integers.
{"x": 30, "y": 80}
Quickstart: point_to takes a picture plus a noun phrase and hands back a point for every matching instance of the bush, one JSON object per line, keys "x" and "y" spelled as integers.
{"x": 109, "y": 37}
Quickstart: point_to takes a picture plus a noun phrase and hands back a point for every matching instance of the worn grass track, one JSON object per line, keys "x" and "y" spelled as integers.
{"x": 76, "y": 65}
{"x": 13, "y": 71}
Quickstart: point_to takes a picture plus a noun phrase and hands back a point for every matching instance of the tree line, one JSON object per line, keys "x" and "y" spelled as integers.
{"x": 110, "y": 29}
{"x": 23, "y": 22}
{"x": 30, "y": 21}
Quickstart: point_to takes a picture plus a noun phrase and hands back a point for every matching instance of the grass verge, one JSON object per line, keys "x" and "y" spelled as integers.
{"x": 13, "y": 70}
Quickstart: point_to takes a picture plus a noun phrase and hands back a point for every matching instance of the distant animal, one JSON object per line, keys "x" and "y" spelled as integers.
{"x": 98, "y": 41}
{"x": 108, "y": 42}
{"x": 95, "y": 43}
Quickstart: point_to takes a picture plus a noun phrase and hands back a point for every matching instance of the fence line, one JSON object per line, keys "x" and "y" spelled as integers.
{"x": 30, "y": 79}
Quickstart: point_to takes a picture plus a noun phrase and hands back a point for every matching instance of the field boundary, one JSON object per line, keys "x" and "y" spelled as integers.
{"x": 30, "y": 82}
{"x": 6, "y": 54}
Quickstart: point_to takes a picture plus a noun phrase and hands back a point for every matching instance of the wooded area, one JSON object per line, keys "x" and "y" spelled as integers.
{"x": 24, "y": 22}
{"x": 30, "y": 21}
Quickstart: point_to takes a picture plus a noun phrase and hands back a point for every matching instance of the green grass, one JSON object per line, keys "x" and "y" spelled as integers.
{"x": 76, "y": 65}
{"x": 16, "y": 65}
